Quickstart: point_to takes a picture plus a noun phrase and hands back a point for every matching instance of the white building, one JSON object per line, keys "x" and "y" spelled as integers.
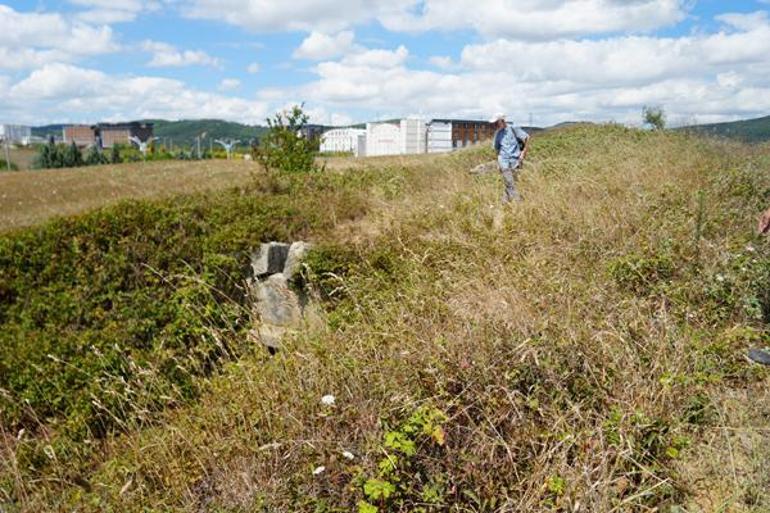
{"x": 412, "y": 136}
{"x": 439, "y": 138}
{"x": 344, "y": 140}
{"x": 16, "y": 134}
{"x": 402, "y": 137}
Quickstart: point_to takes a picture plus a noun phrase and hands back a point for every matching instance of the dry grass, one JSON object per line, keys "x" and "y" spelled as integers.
{"x": 33, "y": 197}
{"x": 566, "y": 385}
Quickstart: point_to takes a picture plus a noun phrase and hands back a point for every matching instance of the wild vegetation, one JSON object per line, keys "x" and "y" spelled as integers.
{"x": 582, "y": 351}
{"x": 284, "y": 148}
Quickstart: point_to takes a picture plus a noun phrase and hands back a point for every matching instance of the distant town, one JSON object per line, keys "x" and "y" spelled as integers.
{"x": 392, "y": 137}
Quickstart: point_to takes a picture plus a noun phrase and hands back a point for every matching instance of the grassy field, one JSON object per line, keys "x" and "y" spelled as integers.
{"x": 581, "y": 351}
{"x": 28, "y": 198}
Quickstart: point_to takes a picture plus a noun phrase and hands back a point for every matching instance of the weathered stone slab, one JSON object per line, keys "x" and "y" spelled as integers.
{"x": 269, "y": 259}
{"x": 276, "y": 303}
{"x": 297, "y": 253}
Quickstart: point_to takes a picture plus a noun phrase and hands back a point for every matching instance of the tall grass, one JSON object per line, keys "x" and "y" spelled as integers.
{"x": 571, "y": 353}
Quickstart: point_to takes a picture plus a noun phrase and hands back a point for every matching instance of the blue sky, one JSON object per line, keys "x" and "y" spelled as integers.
{"x": 356, "y": 60}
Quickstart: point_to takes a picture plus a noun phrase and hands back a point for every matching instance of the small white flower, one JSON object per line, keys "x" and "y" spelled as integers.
{"x": 328, "y": 400}
{"x": 750, "y": 248}
{"x": 319, "y": 470}
{"x": 348, "y": 455}
{"x": 720, "y": 278}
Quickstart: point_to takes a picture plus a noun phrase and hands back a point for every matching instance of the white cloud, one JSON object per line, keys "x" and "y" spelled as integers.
{"x": 376, "y": 58}
{"x": 744, "y": 21}
{"x": 705, "y": 77}
{"x": 528, "y": 19}
{"x": 114, "y": 11}
{"x": 166, "y": 55}
{"x": 318, "y": 46}
{"x": 327, "y": 16}
{"x": 229, "y": 84}
{"x": 540, "y": 19}
{"x": 29, "y": 40}
{"x": 442, "y": 61}
{"x": 628, "y": 60}
{"x": 253, "y": 68}
{"x": 62, "y": 90}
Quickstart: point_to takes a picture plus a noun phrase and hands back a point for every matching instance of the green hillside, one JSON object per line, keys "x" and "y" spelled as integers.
{"x": 185, "y": 132}
{"x": 749, "y": 130}
{"x": 48, "y": 130}
{"x": 583, "y": 350}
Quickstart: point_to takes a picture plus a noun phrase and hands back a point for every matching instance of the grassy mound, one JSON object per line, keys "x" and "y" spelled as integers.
{"x": 574, "y": 352}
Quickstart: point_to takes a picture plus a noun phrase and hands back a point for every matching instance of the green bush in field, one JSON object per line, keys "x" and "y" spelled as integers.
{"x": 95, "y": 157}
{"x": 107, "y": 317}
{"x": 115, "y": 157}
{"x": 284, "y": 148}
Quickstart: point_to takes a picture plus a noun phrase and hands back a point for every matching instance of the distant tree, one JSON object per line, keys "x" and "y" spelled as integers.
{"x": 283, "y": 147}
{"x": 72, "y": 156}
{"x": 95, "y": 157}
{"x": 654, "y": 116}
{"x": 115, "y": 155}
{"x": 43, "y": 157}
{"x": 49, "y": 156}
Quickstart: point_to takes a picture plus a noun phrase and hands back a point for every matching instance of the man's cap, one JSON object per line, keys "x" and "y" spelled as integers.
{"x": 497, "y": 117}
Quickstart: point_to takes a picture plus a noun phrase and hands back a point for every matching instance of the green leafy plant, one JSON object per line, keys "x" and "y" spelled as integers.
{"x": 284, "y": 147}
{"x": 654, "y": 116}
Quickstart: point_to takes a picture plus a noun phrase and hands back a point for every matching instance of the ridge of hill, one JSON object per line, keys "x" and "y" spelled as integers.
{"x": 746, "y": 130}
{"x": 185, "y": 132}
{"x": 582, "y": 350}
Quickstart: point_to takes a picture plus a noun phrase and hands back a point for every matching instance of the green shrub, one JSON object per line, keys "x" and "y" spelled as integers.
{"x": 284, "y": 148}
{"x": 112, "y": 315}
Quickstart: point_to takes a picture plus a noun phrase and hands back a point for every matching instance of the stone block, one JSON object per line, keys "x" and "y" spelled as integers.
{"x": 269, "y": 259}
{"x": 297, "y": 253}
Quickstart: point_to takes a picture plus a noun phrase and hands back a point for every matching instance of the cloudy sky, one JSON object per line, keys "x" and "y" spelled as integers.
{"x": 358, "y": 60}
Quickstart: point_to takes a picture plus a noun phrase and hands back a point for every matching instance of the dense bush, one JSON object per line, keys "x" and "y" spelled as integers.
{"x": 109, "y": 316}
{"x": 284, "y": 147}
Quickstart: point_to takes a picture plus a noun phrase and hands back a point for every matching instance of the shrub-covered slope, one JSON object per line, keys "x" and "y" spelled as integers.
{"x": 582, "y": 350}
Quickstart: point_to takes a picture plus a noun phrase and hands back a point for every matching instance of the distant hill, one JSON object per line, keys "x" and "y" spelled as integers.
{"x": 47, "y": 130}
{"x": 184, "y": 132}
{"x": 748, "y": 130}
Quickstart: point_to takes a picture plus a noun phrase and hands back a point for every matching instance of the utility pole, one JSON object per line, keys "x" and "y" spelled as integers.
{"x": 7, "y": 154}
{"x": 228, "y": 146}
{"x": 143, "y": 144}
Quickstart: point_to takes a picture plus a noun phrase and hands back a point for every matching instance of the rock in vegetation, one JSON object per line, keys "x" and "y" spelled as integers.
{"x": 270, "y": 259}
{"x": 276, "y": 303}
{"x": 296, "y": 255}
{"x": 278, "y": 308}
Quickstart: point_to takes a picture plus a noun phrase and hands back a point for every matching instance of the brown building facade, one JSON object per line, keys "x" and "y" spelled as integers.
{"x": 81, "y": 135}
{"x": 121, "y": 133}
{"x": 107, "y": 134}
{"x": 465, "y": 133}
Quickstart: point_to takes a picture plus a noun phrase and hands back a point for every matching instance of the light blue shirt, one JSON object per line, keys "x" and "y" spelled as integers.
{"x": 506, "y": 145}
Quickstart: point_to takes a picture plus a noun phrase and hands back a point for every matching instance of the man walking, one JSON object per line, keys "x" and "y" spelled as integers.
{"x": 511, "y": 144}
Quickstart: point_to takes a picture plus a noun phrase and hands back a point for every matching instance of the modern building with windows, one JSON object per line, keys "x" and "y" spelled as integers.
{"x": 344, "y": 140}
{"x": 16, "y": 134}
{"x": 448, "y": 134}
